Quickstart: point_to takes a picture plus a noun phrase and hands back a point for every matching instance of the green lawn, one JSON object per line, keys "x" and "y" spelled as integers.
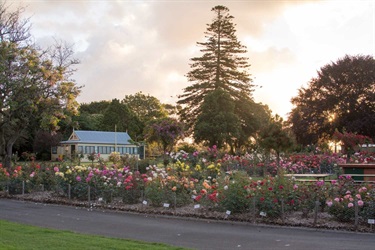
{"x": 19, "y": 236}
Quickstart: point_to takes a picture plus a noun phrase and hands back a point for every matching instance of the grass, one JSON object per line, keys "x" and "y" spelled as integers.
{"x": 19, "y": 236}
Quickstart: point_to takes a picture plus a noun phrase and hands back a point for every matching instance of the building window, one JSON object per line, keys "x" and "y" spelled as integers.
{"x": 121, "y": 150}
{"x": 54, "y": 150}
{"x": 89, "y": 149}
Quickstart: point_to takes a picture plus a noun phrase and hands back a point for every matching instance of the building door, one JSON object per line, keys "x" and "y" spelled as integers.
{"x": 72, "y": 151}
{"x": 141, "y": 151}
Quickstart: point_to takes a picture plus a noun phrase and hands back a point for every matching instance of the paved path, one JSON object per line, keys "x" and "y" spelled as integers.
{"x": 197, "y": 234}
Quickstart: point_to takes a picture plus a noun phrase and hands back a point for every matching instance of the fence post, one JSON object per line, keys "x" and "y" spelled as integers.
{"x": 69, "y": 190}
{"x": 23, "y": 187}
{"x": 254, "y": 209}
{"x": 317, "y": 204}
{"x": 282, "y": 211}
{"x": 356, "y": 217}
{"x": 88, "y": 194}
{"x": 175, "y": 200}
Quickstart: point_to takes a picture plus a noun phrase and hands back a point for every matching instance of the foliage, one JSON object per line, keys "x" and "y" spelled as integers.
{"x": 216, "y": 124}
{"x": 90, "y": 115}
{"x": 343, "y": 197}
{"x": 275, "y": 137}
{"x": 43, "y": 142}
{"x": 162, "y": 187}
{"x": 93, "y": 156}
{"x": 165, "y": 131}
{"x": 120, "y": 117}
{"x": 232, "y": 193}
{"x": 86, "y": 121}
{"x": 214, "y": 180}
{"x": 350, "y": 140}
{"x": 220, "y": 72}
{"x": 94, "y": 107}
{"x": 186, "y": 147}
{"x": 273, "y": 195}
{"x": 253, "y": 117}
{"x": 36, "y": 88}
{"x": 145, "y": 107}
{"x": 340, "y": 97}
{"x": 115, "y": 158}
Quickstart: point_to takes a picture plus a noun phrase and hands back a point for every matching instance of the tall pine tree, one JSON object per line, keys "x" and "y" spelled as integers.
{"x": 223, "y": 67}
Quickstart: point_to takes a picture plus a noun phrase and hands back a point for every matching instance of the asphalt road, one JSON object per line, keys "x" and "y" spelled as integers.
{"x": 196, "y": 234}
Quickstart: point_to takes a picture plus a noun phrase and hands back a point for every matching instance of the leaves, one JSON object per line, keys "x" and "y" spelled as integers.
{"x": 221, "y": 72}
{"x": 165, "y": 131}
{"x": 341, "y": 97}
{"x": 220, "y": 66}
{"x": 35, "y": 85}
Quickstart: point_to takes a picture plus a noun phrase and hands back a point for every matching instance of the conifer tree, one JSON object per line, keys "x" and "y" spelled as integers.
{"x": 222, "y": 66}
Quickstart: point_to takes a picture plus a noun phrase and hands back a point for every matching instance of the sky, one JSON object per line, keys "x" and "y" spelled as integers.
{"x": 145, "y": 46}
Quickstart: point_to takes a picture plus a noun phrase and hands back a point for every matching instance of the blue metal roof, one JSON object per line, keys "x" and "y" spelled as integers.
{"x": 98, "y": 137}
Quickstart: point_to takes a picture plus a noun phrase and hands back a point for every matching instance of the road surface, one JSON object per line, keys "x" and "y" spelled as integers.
{"x": 196, "y": 234}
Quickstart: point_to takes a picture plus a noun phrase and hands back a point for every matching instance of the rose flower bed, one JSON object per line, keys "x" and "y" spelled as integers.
{"x": 205, "y": 186}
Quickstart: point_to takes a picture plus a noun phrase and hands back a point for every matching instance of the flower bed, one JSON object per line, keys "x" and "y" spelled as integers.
{"x": 225, "y": 188}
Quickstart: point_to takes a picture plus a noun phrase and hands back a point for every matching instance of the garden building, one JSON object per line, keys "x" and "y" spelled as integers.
{"x": 84, "y": 143}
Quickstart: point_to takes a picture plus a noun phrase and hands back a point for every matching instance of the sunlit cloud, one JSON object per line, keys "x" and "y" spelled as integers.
{"x": 131, "y": 46}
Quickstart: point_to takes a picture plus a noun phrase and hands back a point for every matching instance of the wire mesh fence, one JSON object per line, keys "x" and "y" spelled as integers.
{"x": 350, "y": 210}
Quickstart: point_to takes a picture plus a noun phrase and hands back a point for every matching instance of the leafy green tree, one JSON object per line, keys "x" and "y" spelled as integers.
{"x": 222, "y": 66}
{"x": 165, "y": 132}
{"x": 274, "y": 136}
{"x": 341, "y": 97}
{"x": 94, "y": 107}
{"x": 172, "y": 110}
{"x": 217, "y": 123}
{"x": 119, "y": 115}
{"x": 43, "y": 142}
{"x": 145, "y": 107}
{"x": 34, "y": 85}
{"x": 252, "y": 117}
{"x": 86, "y": 121}
{"x": 90, "y": 116}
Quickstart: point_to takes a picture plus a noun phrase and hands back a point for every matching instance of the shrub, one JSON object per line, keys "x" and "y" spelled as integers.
{"x": 233, "y": 196}
{"x": 154, "y": 193}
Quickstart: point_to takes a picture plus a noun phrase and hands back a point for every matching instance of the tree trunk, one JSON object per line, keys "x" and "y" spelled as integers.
{"x": 278, "y": 158}
{"x": 2, "y": 146}
{"x": 7, "y": 149}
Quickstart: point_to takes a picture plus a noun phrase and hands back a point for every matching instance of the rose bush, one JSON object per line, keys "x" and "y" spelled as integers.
{"x": 215, "y": 181}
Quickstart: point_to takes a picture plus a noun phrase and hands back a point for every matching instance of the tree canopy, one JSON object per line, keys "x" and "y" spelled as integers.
{"x": 274, "y": 136}
{"x": 341, "y": 97}
{"x": 222, "y": 71}
{"x": 165, "y": 132}
{"x": 145, "y": 107}
{"x": 221, "y": 66}
{"x": 217, "y": 124}
{"x": 118, "y": 115}
{"x": 35, "y": 86}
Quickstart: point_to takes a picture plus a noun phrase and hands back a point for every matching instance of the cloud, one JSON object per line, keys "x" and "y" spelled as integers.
{"x": 131, "y": 46}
